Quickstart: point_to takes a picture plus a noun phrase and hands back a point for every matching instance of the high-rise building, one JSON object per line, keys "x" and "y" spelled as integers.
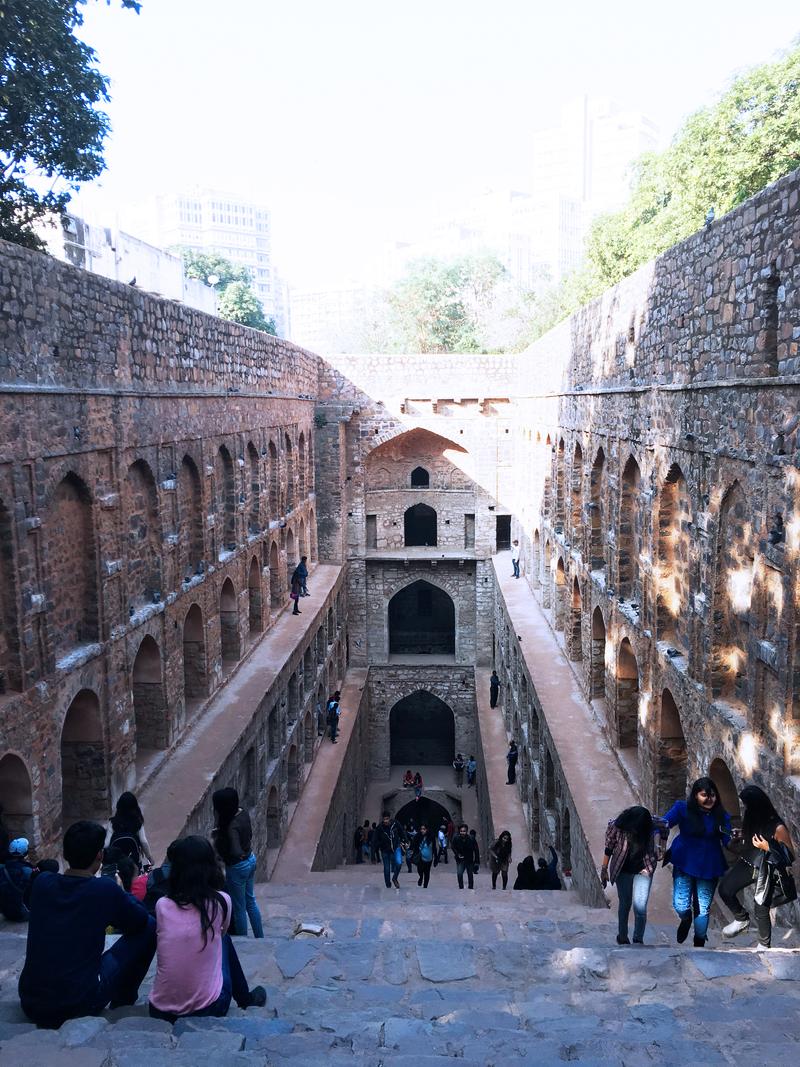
{"x": 582, "y": 169}
{"x": 208, "y": 220}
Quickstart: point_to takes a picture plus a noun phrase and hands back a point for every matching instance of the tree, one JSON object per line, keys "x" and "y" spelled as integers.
{"x": 440, "y": 306}
{"x": 237, "y": 301}
{"x": 723, "y": 155}
{"x": 51, "y": 131}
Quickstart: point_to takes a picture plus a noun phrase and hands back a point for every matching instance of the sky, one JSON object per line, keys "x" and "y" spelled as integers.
{"x": 355, "y": 122}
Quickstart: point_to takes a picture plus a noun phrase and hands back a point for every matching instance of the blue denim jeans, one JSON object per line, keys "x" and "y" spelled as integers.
{"x": 692, "y": 895}
{"x": 515, "y": 565}
{"x": 633, "y": 889}
{"x": 390, "y": 867}
{"x": 240, "y": 882}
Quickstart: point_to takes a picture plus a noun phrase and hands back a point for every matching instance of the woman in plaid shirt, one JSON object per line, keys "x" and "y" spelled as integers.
{"x": 631, "y": 857}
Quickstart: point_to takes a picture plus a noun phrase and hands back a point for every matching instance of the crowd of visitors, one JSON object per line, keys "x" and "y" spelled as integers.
{"x": 183, "y": 912}
{"x": 762, "y": 849}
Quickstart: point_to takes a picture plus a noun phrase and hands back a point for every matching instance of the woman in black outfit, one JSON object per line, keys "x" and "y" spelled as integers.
{"x": 499, "y": 858}
{"x": 763, "y": 845}
{"x": 424, "y": 848}
{"x": 233, "y": 838}
{"x": 127, "y": 832}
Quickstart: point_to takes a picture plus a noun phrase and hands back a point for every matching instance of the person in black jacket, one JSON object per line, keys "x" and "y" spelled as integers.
{"x": 424, "y": 849}
{"x": 464, "y": 852}
{"x": 547, "y": 875}
{"x": 389, "y": 838}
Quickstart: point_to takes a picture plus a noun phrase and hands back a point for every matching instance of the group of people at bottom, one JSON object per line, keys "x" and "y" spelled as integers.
{"x": 762, "y": 853}
{"x": 423, "y": 848}
{"x": 189, "y": 908}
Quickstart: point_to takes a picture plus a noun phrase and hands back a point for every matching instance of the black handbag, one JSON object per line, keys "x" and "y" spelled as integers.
{"x": 784, "y": 887}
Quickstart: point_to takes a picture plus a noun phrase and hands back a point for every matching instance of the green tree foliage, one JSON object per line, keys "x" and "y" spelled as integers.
{"x": 724, "y": 154}
{"x": 442, "y": 306}
{"x": 237, "y": 301}
{"x": 51, "y": 131}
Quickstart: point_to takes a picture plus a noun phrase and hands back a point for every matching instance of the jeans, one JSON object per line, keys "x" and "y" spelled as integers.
{"x": 234, "y": 987}
{"x": 122, "y": 971}
{"x": 461, "y": 866}
{"x": 239, "y": 883}
{"x": 633, "y": 889}
{"x": 512, "y": 773}
{"x": 693, "y": 895}
{"x": 390, "y": 868}
{"x": 515, "y": 565}
{"x": 424, "y": 870}
{"x": 334, "y": 728}
{"x": 735, "y": 879}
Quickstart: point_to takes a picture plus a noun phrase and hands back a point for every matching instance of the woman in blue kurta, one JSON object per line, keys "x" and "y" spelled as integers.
{"x": 696, "y": 855}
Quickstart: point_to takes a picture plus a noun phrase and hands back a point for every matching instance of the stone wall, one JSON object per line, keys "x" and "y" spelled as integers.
{"x": 455, "y": 686}
{"x": 664, "y": 464}
{"x": 156, "y": 488}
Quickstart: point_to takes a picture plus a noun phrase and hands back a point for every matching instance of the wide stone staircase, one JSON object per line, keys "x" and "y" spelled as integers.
{"x": 423, "y": 977}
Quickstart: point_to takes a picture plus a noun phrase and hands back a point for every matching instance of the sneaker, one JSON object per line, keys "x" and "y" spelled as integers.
{"x": 684, "y": 926}
{"x": 257, "y": 998}
{"x": 622, "y": 940}
{"x": 699, "y": 942}
{"x": 738, "y": 926}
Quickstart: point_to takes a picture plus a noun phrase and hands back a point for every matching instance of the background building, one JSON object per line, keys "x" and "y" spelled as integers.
{"x": 209, "y": 220}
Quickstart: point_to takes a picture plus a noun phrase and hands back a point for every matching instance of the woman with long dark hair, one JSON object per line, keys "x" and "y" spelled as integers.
{"x": 424, "y": 850}
{"x": 499, "y": 858}
{"x": 127, "y": 831}
{"x": 765, "y": 845}
{"x": 233, "y": 838}
{"x": 197, "y": 969}
{"x": 630, "y": 861}
{"x": 696, "y": 855}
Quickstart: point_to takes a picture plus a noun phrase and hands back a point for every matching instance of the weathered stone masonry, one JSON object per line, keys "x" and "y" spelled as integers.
{"x": 156, "y": 485}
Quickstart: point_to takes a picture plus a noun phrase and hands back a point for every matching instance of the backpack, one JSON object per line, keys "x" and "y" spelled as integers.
{"x": 426, "y": 852}
{"x": 129, "y": 845}
{"x": 333, "y": 711}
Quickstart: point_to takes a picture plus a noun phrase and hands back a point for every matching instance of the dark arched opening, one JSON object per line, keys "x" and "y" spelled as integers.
{"x": 420, "y": 479}
{"x": 419, "y": 524}
{"x": 422, "y": 731}
{"x": 426, "y": 811}
{"x": 422, "y": 621}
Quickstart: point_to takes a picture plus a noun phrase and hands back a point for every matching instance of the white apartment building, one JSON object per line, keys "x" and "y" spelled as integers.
{"x": 209, "y": 220}
{"x": 582, "y": 169}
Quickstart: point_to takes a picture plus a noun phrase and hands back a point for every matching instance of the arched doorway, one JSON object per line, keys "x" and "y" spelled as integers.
{"x": 149, "y": 705}
{"x": 422, "y": 621}
{"x": 419, "y": 526}
{"x": 229, "y": 622}
{"x": 674, "y": 556}
{"x": 144, "y": 534}
{"x": 561, "y": 595}
{"x": 308, "y": 738}
{"x": 195, "y": 673}
{"x": 254, "y": 524}
{"x": 190, "y": 519}
{"x": 427, "y": 811}
{"x": 671, "y": 767}
{"x": 629, "y": 532}
{"x": 293, "y": 774}
{"x": 732, "y": 600}
{"x": 273, "y": 819}
{"x": 225, "y": 488}
{"x": 421, "y": 731}
{"x": 16, "y": 797}
{"x": 275, "y": 589}
{"x": 597, "y": 513}
{"x": 720, "y": 775}
{"x": 420, "y": 479}
{"x": 598, "y": 674}
{"x": 84, "y": 782}
{"x": 72, "y": 564}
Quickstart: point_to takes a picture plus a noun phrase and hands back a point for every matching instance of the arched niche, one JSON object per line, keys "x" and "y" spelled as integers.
{"x": 421, "y": 731}
{"x": 16, "y": 796}
{"x": 720, "y": 775}
{"x": 629, "y": 538}
{"x": 627, "y": 696}
{"x": 254, "y": 600}
{"x": 301, "y": 466}
{"x": 84, "y": 778}
{"x": 420, "y": 478}
{"x": 674, "y": 556}
{"x": 72, "y": 562}
{"x": 597, "y": 490}
{"x": 149, "y": 703}
{"x": 422, "y": 621}
{"x": 732, "y": 600}
{"x": 275, "y": 584}
{"x": 229, "y": 622}
{"x": 225, "y": 488}
{"x": 190, "y": 519}
{"x": 672, "y": 756}
{"x": 575, "y": 639}
{"x": 428, "y": 812}
{"x": 10, "y": 674}
{"x": 288, "y": 452}
{"x": 195, "y": 669}
{"x": 144, "y": 534}
{"x": 419, "y": 526}
{"x": 274, "y": 481}
{"x": 254, "y": 467}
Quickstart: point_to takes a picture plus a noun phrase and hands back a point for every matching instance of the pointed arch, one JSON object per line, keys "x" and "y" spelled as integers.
{"x": 733, "y": 588}
{"x": 597, "y": 489}
{"x": 225, "y": 489}
{"x": 84, "y": 775}
{"x": 671, "y": 755}
{"x": 576, "y": 494}
{"x": 10, "y": 666}
{"x": 288, "y": 452}
{"x": 627, "y": 696}
{"x": 422, "y": 621}
{"x": 150, "y": 713}
{"x": 419, "y": 526}
{"x": 560, "y": 479}
{"x": 301, "y": 466}
{"x": 274, "y": 482}
{"x": 255, "y": 616}
{"x": 195, "y": 667}
{"x": 275, "y": 583}
{"x": 254, "y": 469}
{"x": 16, "y": 796}
{"x": 674, "y": 557}
{"x": 576, "y": 613}
{"x": 629, "y": 540}
{"x": 229, "y": 622}
{"x": 598, "y": 671}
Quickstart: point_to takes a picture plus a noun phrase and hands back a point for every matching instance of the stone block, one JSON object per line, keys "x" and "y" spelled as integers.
{"x": 445, "y": 961}
{"x": 77, "y": 1032}
{"x": 210, "y": 1041}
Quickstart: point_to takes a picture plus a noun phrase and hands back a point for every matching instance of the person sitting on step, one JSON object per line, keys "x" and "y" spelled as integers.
{"x": 66, "y": 973}
{"x": 197, "y": 969}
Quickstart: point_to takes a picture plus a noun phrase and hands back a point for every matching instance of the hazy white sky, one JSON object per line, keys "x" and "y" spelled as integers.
{"x": 353, "y": 120}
